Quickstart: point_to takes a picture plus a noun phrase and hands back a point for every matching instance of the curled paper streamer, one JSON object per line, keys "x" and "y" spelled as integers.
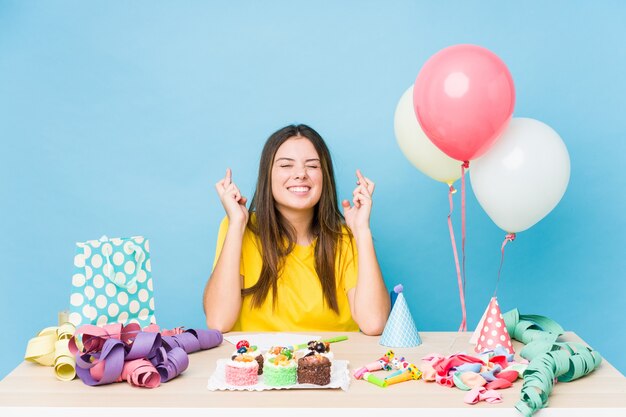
{"x": 64, "y": 362}
{"x": 550, "y": 361}
{"x": 564, "y": 362}
{"x": 140, "y": 373}
{"x": 50, "y": 348}
{"x": 40, "y": 349}
{"x": 170, "y": 363}
{"x": 528, "y": 328}
{"x": 104, "y": 367}
{"x": 116, "y": 353}
{"x": 193, "y": 340}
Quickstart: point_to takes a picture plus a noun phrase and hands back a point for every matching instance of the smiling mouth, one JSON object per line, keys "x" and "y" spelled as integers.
{"x": 299, "y": 189}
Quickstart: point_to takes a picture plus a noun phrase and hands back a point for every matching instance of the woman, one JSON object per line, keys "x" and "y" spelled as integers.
{"x": 290, "y": 262}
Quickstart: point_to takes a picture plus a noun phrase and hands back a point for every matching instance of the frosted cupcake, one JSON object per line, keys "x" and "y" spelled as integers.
{"x": 244, "y": 348}
{"x": 280, "y": 368}
{"x": 314, "y": 369}
{"x": 314, "y": 364}
{"x": 242, "y": 370}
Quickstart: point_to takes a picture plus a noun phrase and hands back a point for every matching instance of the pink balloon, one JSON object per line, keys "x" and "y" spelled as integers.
{"x": 463, "y": 98}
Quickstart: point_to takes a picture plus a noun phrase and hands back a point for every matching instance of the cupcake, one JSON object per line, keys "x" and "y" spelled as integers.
{"x": 244, "y": 348}
{"x": 242, "y": 370}
{"x": 280, "y": 368}
{"x": 314, "y": 365}
{"x": 314, "y": 369}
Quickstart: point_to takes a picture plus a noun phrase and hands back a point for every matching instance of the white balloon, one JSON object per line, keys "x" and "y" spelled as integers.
{"x": 523, "y": 176}
{"x": 416, "y": 146}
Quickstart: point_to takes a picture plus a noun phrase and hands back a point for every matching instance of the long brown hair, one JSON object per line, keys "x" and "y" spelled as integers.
{"x": 277, "y": 237}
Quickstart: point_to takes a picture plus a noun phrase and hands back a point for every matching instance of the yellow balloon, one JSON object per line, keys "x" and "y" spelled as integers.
{"x": 416, "y": 146}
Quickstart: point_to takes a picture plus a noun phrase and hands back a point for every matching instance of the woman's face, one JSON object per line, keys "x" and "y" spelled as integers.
{"x": 296, "y": 176}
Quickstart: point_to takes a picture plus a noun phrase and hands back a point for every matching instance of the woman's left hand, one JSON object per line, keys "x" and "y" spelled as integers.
{"x": 358, "y": 215}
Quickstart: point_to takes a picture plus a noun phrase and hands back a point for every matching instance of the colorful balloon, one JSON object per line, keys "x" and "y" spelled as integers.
{"x": 523, "y": 176}
{"x": 416, "y": 146}
{"x": 464, "y": 98}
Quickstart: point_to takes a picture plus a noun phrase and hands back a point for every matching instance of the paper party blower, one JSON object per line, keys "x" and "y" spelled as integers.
{"x": 400, "y": 330}
{"x": 491, "y": 331}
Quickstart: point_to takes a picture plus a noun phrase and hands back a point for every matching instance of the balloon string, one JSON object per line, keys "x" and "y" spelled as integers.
{"x": 463, "y": 326}
{"x": 508, "y": 238}
{"x": 464, "y": 166}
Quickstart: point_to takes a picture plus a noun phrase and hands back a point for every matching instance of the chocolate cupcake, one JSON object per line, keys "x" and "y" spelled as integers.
{"x": 314, "y": 369}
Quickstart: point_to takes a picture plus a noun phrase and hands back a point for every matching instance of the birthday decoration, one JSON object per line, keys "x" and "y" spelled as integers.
{"x": 400, "y": 330}
{"x": 480, "y": 374}
{"x": 562, "y": 362}
{"x": 478, "y": 394}
{"x": 550, "y": 361}
{"x": 545, "y": 362}
{"x": 382, "y": 363}
{"x": 418, "y": 148}
{"x": 530, "y": 156}
{"x": 409, "y": 372}
{"x": 373, "y": 379}
{"x": 492, "y": 330}
{"x": 50, "y": 348}
{"x": 112, "y": 282}
{"x": 523, "y": 176}
{"x": 463, "y": 102}
{"x": 527, "y": 328}
{"x": 464, "y": 98}
{"x": 114, "y": 353}
{"x": 406, "y": 371}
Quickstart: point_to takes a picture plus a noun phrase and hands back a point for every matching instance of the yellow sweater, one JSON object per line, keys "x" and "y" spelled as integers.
{"x": 300, "y": 301}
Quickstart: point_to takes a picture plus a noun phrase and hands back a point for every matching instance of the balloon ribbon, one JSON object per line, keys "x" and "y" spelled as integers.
{"x": 464, "y": 166}
{"x": 510, "y": 237}
{"x": 463, "y": 326}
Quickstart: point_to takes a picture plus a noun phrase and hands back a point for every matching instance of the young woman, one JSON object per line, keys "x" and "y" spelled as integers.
{"x": 291, "y": 262}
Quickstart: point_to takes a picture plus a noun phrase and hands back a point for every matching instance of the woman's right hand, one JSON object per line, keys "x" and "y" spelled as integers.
{"x": 232, "y": 200}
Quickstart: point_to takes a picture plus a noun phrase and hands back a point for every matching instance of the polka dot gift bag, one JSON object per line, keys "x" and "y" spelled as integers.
{"x": 112, "y": 282}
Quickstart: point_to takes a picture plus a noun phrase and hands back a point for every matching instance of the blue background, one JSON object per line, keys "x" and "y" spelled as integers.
{"x": 118, "y": 118}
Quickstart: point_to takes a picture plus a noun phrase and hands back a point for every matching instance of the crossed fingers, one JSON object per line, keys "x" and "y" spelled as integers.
{"x": 363, "y": 191}
{"x": 225, "y": 186}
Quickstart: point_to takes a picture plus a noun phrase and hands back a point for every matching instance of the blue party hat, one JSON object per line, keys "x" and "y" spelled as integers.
{"x": 400, "y": 330}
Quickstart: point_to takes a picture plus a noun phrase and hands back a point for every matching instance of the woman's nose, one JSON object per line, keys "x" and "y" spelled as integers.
{"x": 300, "y": 173}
